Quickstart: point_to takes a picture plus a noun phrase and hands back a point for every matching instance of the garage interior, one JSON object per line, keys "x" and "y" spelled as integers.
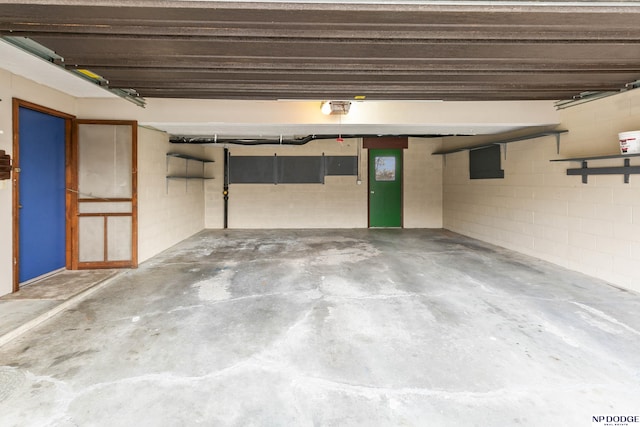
{"x": 453, "y": 242}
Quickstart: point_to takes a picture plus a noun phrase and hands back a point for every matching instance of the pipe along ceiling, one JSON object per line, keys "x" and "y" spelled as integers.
{"x": 183, "y": 139}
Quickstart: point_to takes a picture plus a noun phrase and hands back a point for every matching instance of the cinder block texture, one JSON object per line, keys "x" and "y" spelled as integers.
{"x": 538, "y": 210}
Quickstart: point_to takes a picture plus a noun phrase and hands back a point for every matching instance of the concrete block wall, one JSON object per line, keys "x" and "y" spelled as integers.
{"x": 338, "y": 203}
{"x": 422, "y": 184}
{"x": 537, "y": 209}
{"x": 168, "y": 210}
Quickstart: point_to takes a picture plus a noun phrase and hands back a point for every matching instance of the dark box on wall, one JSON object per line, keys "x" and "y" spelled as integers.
{"x": 5, "y": 165}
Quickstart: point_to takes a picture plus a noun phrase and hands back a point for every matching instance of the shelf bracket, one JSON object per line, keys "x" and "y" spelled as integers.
{"x": 625, "y": 170}
{"x": 166, "y": 180}
{"x": 627, "y": 164}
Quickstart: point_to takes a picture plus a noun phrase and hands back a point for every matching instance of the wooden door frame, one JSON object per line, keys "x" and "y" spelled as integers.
{"x": 74, "y": 199}
{"x": 18, "y": 103}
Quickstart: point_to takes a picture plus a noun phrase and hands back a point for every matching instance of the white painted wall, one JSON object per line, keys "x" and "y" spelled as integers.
{"x": 422, "y": 184}
{"x": 6, "y": 229}
{"x": 168, "y": 210}
{"x": 538, "y": 210}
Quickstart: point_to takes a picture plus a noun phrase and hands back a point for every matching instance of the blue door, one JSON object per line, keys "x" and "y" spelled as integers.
{"x": 42, "y": 193}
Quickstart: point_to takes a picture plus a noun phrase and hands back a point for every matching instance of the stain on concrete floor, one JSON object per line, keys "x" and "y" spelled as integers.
{"x": 333, "y": 327}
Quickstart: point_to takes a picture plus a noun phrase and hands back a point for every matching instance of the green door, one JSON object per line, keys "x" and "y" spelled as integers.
{"x": 385, "y": 188}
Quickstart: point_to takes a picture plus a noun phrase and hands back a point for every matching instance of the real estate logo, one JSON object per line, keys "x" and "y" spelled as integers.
{"x": 615, "y": 420}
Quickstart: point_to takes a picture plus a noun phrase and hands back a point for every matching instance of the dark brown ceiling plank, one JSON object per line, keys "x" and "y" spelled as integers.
{"x": 118, "y": 42}
{"x": 351, "y": 92}
{"x": 508, "y": 34}
{"x": 145, "y": 79}
{"x": 275, "y": 95}
{"x": 417, "y": 67}
{"x": 282, "y": 13}
{"x": 372, "y": 66}
{"x": 74, "y": 50}
{"x": 454, "y": 51}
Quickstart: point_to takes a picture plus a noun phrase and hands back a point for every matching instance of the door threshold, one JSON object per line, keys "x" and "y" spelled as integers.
{"x": 44, "y": 276}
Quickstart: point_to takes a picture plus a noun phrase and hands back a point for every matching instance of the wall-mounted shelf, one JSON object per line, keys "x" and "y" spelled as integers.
{"x": 610, "y": 156}
{"x": 626, "y": 170}
{"x": 188, "y": 157}
{"x": 555, "y": 133}
{"x": 187, "y": 177}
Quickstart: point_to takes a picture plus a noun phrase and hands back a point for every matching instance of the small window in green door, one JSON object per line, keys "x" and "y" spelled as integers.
{"x": 385, "y": 168}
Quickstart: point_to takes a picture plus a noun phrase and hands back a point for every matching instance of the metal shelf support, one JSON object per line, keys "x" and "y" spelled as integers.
{"x": 625, "y": 170}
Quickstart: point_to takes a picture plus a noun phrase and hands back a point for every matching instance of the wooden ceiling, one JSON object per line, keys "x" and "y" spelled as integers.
{"x": 451, "y": 50}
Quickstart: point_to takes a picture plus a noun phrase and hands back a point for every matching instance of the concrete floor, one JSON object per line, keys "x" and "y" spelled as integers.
{"x": 38, "y": 301}
{"x": 332, "y": 328}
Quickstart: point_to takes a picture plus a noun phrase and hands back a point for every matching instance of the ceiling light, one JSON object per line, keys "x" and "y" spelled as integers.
{"x": 335, "y": 107}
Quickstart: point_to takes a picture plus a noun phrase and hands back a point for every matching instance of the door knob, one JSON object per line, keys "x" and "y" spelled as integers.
{"x": 373, "y": 192}
{"x": 19, "y": 206}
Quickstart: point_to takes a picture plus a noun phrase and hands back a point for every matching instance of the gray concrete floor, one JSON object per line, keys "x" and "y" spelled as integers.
{"x": 38, "y": 301}
{"x": 332, "y": 328}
